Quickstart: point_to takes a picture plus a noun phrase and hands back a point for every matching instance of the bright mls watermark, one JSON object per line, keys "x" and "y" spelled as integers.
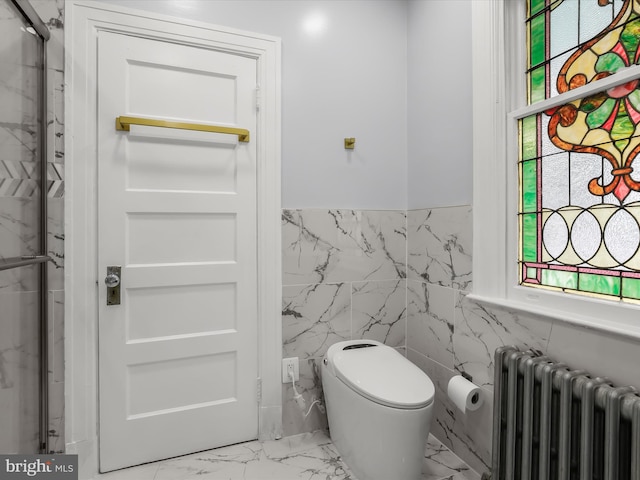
{"x": 46, "y": 467}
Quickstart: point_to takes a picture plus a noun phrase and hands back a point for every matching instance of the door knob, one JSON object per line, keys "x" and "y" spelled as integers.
{"x": 112, "y": 280}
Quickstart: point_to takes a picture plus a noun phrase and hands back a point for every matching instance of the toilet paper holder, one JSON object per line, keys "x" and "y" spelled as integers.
{"x": 464, "y": 393}
{"x": 476, "y": 396}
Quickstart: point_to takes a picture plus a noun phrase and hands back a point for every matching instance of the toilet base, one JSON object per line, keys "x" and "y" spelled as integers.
{"x": 375, "y": 441}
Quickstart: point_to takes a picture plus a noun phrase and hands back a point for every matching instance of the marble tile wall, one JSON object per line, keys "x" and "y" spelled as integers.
{"x": 343, "y": 278}
{"x": 18, "y": 179}
{"x": 19, "y": 364}
{"x": 447, "y": 333}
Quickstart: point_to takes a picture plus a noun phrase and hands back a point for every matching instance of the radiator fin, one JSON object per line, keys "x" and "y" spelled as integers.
{"x": 555, "y": 423}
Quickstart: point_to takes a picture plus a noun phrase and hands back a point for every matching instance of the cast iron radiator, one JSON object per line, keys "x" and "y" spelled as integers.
{"x": 554, "y": 423}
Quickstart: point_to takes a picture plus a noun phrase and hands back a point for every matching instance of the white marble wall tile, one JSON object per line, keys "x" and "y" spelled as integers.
{"x": 52, "y": 14}
{"x": 295, "y": 420}
{"x": 379, "y": 311}
{"x": 55, "y": 131}
{"x": 56, "y": 336}
{"x": 314, "y": 317}
{"x": 25, "y": 279}
{"x": 56, "y": 179}
{"x": 56, "y": 371}
{"x": 479, "y": 330}
{"x": 56, "y": 418}
{"x": 430, "y": 311}
{"x": 55, "y": 244}
{"x": 19, "y": 378}
{"x": 321, "y": 246}
{"x": 19, "y": 215}
{"x": 468, "y": 435}
{"x": 439, "y": 244}
{"x": 19, "y": 173}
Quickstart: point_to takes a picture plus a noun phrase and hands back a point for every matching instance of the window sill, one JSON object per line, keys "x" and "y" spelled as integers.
{"x": 579, "y": 320}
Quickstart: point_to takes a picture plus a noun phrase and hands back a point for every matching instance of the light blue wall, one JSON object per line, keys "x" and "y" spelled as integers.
{"x": 395, "y": 74}
{"x": 344, "y": 74}
{"x": 439, "y": 103}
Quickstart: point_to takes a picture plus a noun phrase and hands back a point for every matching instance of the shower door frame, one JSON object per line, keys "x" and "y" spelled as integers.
{"x": 30, "y": 16}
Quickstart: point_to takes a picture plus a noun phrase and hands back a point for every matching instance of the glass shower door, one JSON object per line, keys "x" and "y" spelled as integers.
{"x": 23, "y": 332}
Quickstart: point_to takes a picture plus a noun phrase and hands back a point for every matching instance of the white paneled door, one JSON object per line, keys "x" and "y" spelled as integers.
{"x": 177, "y": 212}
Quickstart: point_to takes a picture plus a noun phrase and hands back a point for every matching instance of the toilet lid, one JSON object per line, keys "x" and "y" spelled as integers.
{"x": 384, "y": 376}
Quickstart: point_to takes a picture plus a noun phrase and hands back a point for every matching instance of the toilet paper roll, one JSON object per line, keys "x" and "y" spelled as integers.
{"x": 464, "y": 394}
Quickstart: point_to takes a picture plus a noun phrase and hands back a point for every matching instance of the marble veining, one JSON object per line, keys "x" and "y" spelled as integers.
{"x": 310, "y": 456}
{"x": 440, "y": 462}
{"x": 480, "y": 330}
{"x": 439, "y": 246}
{"x": 431, "y": 326}
{"x": 314, "y": 317}
{"x": 324, "y": 246}
{"x": 379, "y": 311}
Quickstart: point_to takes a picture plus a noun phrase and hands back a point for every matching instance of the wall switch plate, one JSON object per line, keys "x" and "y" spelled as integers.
{"x": 290, "y": 364}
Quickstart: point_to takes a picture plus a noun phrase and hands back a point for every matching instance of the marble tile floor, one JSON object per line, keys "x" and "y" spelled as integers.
{"x": 309, "y": 456}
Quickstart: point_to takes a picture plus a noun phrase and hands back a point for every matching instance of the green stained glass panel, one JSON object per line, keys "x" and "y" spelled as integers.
{"x": 631, "y": 288}
{"x": 537, "y": 90}
{"x": 623, "y": 128}
{"x": 529, "y": 237}
{"x": 535, "y": 6}
{"x": 601, "y": 114}
{"x": 631, "y": 35}
{"x": 532, "y": 272}
{"x": 559, "y": 278}
{"x": 603, "y": 284}
{"x": 537, "y": 39}
{"x": 609, "y": 62}
{"x": 529, "y": 136}
{"x": 529, "y": 186}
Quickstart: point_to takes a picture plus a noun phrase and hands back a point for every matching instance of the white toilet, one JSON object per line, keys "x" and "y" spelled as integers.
{"x": 379, "y": 406}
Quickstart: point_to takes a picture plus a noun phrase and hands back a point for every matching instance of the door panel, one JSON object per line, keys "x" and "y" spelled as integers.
{"x": 177, "y": 210}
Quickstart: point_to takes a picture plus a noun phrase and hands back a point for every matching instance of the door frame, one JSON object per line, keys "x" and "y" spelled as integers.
{"x": 84, "y": 19}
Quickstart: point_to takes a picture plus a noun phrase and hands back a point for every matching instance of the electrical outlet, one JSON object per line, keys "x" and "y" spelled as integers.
{"x": 290, "y": 364}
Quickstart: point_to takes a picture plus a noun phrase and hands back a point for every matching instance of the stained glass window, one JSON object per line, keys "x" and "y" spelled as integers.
{"x": 579, "y": 182}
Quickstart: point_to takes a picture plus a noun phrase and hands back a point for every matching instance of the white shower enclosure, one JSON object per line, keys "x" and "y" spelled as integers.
{"x": 23, "y": 231}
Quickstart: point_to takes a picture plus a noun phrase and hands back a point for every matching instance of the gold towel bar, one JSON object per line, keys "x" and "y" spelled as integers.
{"x": 122, "y": 124}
